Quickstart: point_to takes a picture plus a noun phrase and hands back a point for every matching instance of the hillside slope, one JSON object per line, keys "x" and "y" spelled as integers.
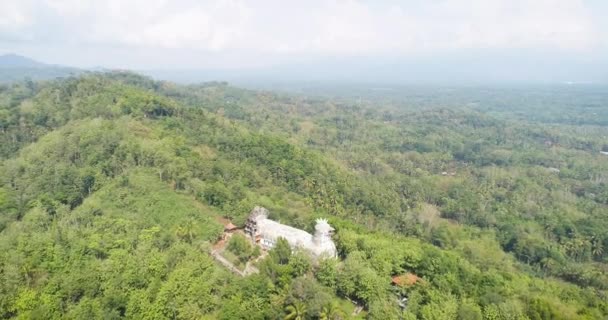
{"x": 112, "y": 186}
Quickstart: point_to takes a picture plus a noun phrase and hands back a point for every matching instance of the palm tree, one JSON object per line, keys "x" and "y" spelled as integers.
{"x": 597, "y": 248}
{"x": 187, "y": 230}
{"x": 547, "y": 264}
{"x": 330, "y": 312}
{"x": 295, "y": 311}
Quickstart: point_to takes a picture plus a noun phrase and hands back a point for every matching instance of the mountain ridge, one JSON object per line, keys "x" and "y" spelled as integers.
{"x": 12, "y": 60}
{"x": 14, "y": 67}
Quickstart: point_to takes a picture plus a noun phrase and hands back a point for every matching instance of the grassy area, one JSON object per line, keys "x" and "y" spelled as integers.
{"x": 348, "y": 307}
{"x": 234, "y": 259}
{"x": 140, "y": 193}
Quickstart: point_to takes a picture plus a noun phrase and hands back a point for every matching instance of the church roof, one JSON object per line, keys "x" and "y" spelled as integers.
{"x": 273, "y": 230}
{"x": 297, "y": 238}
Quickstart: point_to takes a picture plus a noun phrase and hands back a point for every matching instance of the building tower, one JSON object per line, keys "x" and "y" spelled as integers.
{"x": 251, "y": 226}
{"x": 323, "y": 232}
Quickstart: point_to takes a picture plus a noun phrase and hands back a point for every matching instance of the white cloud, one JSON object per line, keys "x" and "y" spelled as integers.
{"x": 319, "y": 27}
{"x": 12, "y": 18}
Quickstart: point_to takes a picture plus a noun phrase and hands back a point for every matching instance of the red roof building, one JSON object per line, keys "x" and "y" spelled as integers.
{"x": 406, "y": 280}
{"x": 230, "y": 227}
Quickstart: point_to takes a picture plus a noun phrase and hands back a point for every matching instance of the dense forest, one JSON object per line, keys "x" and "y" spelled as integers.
{"x": 113, "y": 186}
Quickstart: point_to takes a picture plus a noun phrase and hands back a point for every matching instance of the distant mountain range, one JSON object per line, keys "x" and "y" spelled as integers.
{"x": 14, "y": 67}
{"x": 480, "y": 69}
{"x": 16, "y": 61}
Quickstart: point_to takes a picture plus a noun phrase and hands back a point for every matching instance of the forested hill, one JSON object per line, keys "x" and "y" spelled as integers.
{"x": 113, "y": 186}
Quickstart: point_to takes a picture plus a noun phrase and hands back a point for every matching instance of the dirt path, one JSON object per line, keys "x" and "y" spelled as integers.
{"x": 249, "y": 269}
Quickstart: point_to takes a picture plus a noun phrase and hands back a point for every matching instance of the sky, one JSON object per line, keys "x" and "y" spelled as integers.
{"x": 452, "y": 39}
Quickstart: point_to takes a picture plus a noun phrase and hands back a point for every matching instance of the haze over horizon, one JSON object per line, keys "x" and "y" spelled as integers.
{"x": 385, "y": 41}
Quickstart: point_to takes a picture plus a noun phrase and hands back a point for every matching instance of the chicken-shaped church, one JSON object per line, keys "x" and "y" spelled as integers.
{"x": 265, "y": 232}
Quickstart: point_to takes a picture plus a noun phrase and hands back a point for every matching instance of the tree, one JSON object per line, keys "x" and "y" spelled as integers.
{"x": 330, "y": 311}
{"x": 384, "y": 309}
{"x": 281, "y": 252}
{"x": 187, "y": 230}
{"x": 597, "y": 249}
{"x": 327, "y": 272}
{"x": 295, "y": 311}
{"x": 299, "y": 263}
{"x": 469, "y": 310}
{"x": 538, "y": 309}
{"x": 240, "y": 246}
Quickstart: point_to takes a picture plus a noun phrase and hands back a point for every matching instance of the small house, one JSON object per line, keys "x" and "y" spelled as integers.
{"x": 405, "y": 280}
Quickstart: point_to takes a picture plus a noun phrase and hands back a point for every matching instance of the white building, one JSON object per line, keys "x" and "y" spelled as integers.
{"x": 266, "y": 232}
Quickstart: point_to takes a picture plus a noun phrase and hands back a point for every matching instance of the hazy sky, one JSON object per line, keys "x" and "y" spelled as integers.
{"x": 221, "y": 34}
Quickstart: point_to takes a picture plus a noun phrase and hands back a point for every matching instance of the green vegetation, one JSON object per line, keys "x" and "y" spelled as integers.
{"x": 110, "y": 186}
{"x": 242, "y": 248}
